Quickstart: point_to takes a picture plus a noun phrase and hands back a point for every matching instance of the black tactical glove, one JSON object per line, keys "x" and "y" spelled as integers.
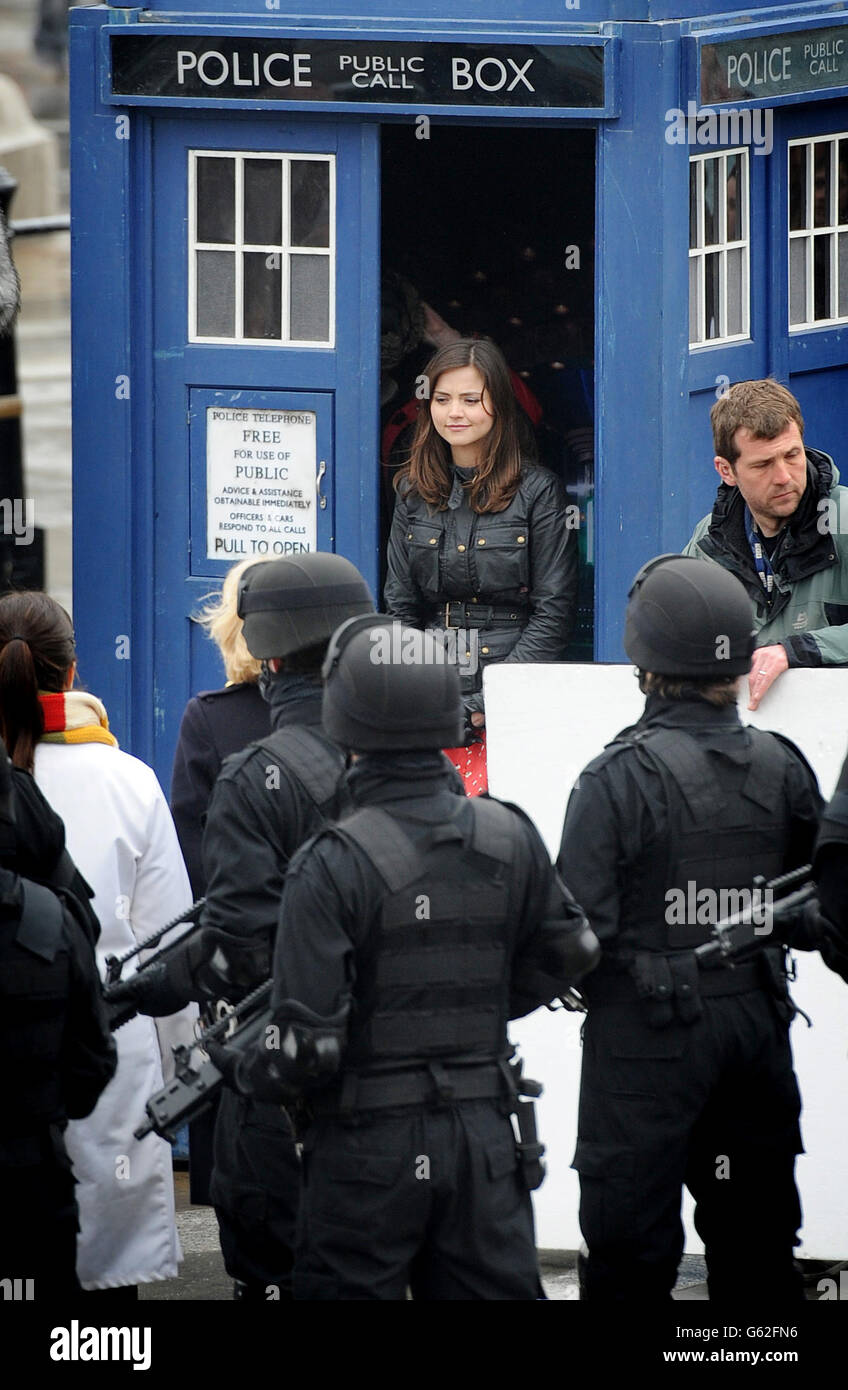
{"x": 805, "y": 929}
{"x": 301, "y": 1050}
{"x": 229, "y": 1061}
{"x": 154, "y": 991}
{"x": 207, "y": 965}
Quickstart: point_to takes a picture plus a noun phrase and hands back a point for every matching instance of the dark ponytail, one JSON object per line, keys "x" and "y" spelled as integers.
{"x": 36, "y": 653}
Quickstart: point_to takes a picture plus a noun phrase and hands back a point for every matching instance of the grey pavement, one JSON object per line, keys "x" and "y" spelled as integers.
{"x": 203, "y": 1277}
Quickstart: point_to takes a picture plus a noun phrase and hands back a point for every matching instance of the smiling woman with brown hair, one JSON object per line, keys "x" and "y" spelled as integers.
{"x": 480, "y": 541}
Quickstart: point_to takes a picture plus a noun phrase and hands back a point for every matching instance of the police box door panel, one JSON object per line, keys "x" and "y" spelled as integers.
{"x": 258, "y": 311}
{"x": 810, "y": 258}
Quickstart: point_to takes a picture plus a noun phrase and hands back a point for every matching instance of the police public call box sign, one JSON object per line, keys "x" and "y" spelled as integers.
{"x": 260, "y": 482}
{"x": 190, "y": 67}
{"x": 774, "y": 65}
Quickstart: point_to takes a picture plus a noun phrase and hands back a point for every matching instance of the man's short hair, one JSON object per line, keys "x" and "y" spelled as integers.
{"x": 721, "y": 691}
{"x": 764, "y": 407}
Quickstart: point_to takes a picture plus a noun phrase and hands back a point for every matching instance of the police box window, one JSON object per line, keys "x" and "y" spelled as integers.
{"x": 818, "y": 232}
{"x": 261, "y": 248}
{"x": 719, "y": 248}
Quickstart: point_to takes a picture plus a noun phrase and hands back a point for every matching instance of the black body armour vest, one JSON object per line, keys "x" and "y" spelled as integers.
{"x": 728, "y": 820}
{"x": 433, "y": 978}
{"x": 34, "y": 989}
{"x": 315, "y": 765}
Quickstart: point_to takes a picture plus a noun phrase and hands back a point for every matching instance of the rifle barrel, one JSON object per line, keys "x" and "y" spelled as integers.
{"x": 115, "y": 963}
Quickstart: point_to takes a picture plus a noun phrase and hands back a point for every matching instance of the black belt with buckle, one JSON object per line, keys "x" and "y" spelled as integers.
{"x": 468, "y": 614}
{"x": 425, "y": 1085}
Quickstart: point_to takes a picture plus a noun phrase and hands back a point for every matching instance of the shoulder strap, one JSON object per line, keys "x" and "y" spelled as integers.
{"x": 40, "y": 927}
{"x": 686, "y": 763}
{"x": 311, "y": 759}
{"x": 768, "y": 766}
{"x": 396, "y": 858}
{"x": 494, "y": 832}
{"x": 399, "y": 861}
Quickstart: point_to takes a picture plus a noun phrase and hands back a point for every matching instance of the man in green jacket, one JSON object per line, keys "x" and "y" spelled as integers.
{"x": 776, "y": 526}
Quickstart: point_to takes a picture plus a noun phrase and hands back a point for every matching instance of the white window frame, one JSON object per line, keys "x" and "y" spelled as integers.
{"x": 700, "y": 252}
{"x": 808, "y": 234}
{"x": 237, "y": 247}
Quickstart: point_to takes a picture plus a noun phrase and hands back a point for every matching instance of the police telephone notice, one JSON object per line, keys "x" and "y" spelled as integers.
{"x": 261, "y": 468}
{"x": 775, "y": 64}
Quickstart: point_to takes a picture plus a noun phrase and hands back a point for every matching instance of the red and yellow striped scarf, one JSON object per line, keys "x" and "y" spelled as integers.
{"x": 75, "y": 716}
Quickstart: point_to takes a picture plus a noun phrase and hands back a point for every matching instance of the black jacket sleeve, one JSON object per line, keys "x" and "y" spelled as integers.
{"x": 830, "y": 869}
{"x": 89, "y": 1055}
{"x": 400, "y": 595}
{"x": 555, "y": 946}
{"x": 553, "y": 577}
{"x": 196, "y": 765}
{"x": 253, "y": 825}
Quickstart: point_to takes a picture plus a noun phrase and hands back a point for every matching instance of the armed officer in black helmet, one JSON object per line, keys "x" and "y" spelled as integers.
{"x": 687, "y": 1073}
{"x": 409, "y": 934}
{"x": 267, "y": 800}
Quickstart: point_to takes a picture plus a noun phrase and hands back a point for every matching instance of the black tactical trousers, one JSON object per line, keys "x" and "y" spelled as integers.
{"x": 38, "y": 1229}
{"x": 430, "y": 1200}
{"x": 255, "y": 1188}
{"x": 713, "y": 1104}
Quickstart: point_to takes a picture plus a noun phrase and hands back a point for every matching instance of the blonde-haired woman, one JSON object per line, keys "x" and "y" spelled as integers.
{"x": 215, "y": 724}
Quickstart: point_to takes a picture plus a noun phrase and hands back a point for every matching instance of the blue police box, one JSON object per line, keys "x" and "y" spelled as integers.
{"x": 641, "y": 202}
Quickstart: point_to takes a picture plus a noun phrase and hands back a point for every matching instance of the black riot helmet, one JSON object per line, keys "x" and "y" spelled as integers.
{"x": 289, "y": 605}
{"x": 688, "y": 617}
{"x": 387, "y": 686}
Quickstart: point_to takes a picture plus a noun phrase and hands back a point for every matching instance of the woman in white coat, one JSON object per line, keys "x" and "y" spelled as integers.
{"x": 120, "y": 833}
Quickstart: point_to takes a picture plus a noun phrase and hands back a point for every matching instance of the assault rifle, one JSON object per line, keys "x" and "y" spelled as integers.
{"x": 121, "y": 1009}
{"x": 197, "y": 1080}
{"x": 775, "y": 902}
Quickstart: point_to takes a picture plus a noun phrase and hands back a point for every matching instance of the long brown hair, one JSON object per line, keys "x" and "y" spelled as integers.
{"x": 429, "y": 471}
{"x": 36, "y": 652}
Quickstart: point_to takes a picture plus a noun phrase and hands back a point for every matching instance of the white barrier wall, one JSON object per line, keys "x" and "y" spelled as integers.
{"x": 544, "y": 724}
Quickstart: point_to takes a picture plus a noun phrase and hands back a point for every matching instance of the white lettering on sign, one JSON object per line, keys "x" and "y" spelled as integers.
{"x": 373, "y": 70}
{"x": 490, "y": 74}
{"x": 755, "y": 69}
{"x": 261, "y": 466}
{"x": 250, "y": 70}
{"x": 824, "y": 56}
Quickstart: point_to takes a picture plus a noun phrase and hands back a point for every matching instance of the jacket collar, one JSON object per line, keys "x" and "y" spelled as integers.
{"x": 687, "y": 713}
{"x": 802, "y": 548}
{"x": 423, "y": 778}
{"x": 292, "y": 699}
